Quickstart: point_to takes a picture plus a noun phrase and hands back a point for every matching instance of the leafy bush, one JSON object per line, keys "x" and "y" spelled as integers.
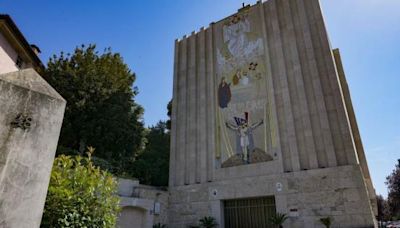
{"x": 80, "y": 195}
{"x": 208, "y": 222}
{"x": 327, "y": 221}
{"x": 159, "y": 225}
{"x": 278, "y": 219}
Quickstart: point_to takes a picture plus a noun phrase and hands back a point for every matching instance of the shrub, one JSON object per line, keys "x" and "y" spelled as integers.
{"x": 278, "y": 219}
{"x": 327, "y": 221}
{"x": 208, "y": 222}
{"x": 80, "y": 195}
{"x": 159, "y": 225}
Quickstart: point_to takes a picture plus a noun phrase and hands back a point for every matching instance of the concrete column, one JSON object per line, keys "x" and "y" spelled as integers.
{"x": 202, "y": 109}
{"x": 290, "y": 58}
{"x": 275, "y": 139}
{"x": 330, "y": 89}
{"x": 30, "y": 121}
{"x": 307, "y": 150}
{"x": 174, "y": 113}
{"x": 191, "y": 131}
{"x": 271, "y": 37}
{"x": 356, "y": 133}
{"x": 211, "y": 138}
{"x": 283, "y": 77}
{"x": 345, "y": 131}
{"x": 181, "y": 114}
{"x": 327, "y": 157}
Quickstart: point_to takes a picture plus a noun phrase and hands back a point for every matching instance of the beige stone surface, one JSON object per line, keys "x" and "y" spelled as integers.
{"x": 336, "y": 192}
{"x": 356, "y": 134}
{"x": 138, "y": 204}
{"x": 312, "y": 135}
{"x": 311, "y": 128}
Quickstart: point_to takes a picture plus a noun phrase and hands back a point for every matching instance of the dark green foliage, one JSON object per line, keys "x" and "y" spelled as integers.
{"x": 327, "y": 221}
{"x": 383, "y": 209}
{"x": 104, "y": 164}
{"x": 169, "y": 113}
{"x": 159, "y": 225}
{"x": 80, "y": 195}
{"x": 101, "y": 110}
{"x": 278, "y": 219}
{"x": 208, "y": 222}
{"x": 152, "y": 166}
{"x": 393, "y": 183}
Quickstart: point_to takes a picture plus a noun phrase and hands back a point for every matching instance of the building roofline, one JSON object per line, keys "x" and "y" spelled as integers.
{"x": 8, "y": 20}
{"x": 241, "y": 9}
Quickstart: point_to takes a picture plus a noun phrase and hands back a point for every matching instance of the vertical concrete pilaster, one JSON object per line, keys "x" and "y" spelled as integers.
{"x": 295, "y": 45}
{"x": 182, "y": 115}
{"x": 271, "y": 103}
{"x": 341, "y": 110}
{"x": 191, "y": 132}
{"x": 201, "y": 176}
{"x": 211, "y": 123}
{"x": 174, "y": 113}
{"x": 319, "y": 78}
{"x": 283, "y": 77}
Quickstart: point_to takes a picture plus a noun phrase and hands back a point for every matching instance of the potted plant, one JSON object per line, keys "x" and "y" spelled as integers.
{"x": 159, "y": 225}
{"x": 327, "y": 221}
{"x": 208, "y": 222}
{"x": 278, "y": 219}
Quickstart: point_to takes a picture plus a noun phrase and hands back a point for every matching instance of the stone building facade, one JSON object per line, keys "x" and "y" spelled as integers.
{"x": 261, "y": 108}
{"x": 141, "y": 205}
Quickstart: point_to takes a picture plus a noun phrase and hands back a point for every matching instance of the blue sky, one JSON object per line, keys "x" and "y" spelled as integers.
{"x": 366, "y": 31}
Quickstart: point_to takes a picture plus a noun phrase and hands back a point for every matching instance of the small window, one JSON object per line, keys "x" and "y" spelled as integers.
{"x": 19, "y": 62}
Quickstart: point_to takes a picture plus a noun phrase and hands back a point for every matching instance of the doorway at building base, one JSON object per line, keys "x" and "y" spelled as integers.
{"x": 249, "y": 213}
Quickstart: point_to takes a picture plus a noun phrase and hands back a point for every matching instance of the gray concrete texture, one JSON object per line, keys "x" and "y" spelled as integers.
{"x": 311, "y": 112}
{"x": 138, "y": 204}
{"x": 31, "y": 114}
{"x": 337, "y": 192}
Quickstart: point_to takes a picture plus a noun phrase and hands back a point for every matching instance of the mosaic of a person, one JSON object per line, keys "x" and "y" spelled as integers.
{"x": 224, "y": 93}
{"x": 244, "y": 139}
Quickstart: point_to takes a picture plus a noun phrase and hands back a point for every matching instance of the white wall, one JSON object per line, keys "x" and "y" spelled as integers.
{"x": 8, "y": 56}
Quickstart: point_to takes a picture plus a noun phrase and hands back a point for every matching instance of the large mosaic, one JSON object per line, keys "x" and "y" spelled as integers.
{"x": 243, "y": 113}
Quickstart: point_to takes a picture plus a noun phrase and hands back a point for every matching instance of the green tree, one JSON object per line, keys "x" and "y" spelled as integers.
{"x": 169, "y": 113}
{"x": 80, "y": 195}
{"x": 393, "y": 183}
{"x": 152, "y": 166}
{"x": 101, "y": 110}
{"x": 382, "y": 208}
